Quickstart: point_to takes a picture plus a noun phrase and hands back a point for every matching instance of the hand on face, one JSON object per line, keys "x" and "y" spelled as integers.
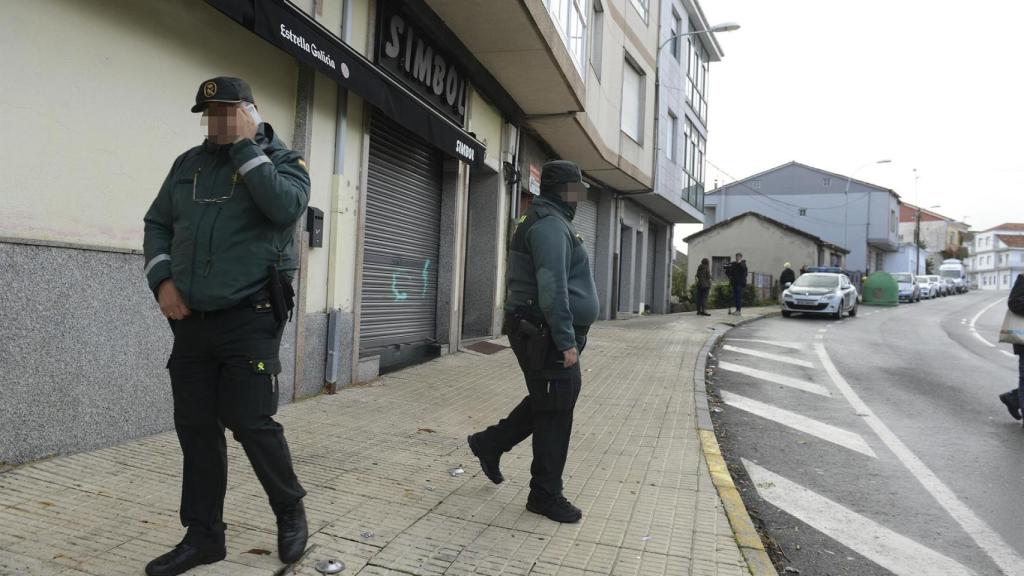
{"x": 229, "y": 123}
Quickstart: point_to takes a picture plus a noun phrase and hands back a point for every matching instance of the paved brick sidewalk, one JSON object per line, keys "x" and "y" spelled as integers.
{"x": 375, "y": 462}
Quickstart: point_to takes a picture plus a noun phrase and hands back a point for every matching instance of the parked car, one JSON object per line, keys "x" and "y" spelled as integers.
{"x": 925, "y": 286}
{"x": 823, "y": 293}
{"x": 909, "y": 289}
{"x": 934, "y": 286}
{"x": 950, "y": 284}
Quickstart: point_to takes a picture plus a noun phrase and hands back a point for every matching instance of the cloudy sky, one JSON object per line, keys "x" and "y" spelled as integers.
{"x": 937, "y": 86}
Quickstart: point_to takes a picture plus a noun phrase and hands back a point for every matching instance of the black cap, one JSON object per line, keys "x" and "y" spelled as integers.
{"x": 222, "y": 89}
{"x": 560, "y": 172}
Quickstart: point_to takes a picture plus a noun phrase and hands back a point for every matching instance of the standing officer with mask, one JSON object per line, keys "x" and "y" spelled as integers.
{"x": 219, "y": 258}
{"x": 551, "y": 303}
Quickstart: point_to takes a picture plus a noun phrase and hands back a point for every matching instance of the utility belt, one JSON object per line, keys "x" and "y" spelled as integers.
{"x": 276, "y": 296}
{"x": 527, "y": 324}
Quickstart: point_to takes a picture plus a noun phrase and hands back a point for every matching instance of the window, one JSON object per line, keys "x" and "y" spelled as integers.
{"x": 697, "y": 74}
{"x": 693, "y": 165}
{"x": 570, "y": 18}
{"x": 672, "y": 136}
{"x": 827, "y": 181}
{"x": 718, "y": 266}
{"x": 632, "y": 101}
{"x": 597, "y": 37}
{"x": 641, "y": 7}
{"x": 756, "y": 184}
{"x": 803, "y": 211}
{"x": 674, "y": 32}
{"x": 892, "y": 221}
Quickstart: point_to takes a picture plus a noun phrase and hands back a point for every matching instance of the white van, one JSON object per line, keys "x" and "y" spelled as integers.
{"x": 952, "y": 270}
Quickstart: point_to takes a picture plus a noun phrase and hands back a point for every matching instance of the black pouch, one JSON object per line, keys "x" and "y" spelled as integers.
{"x": 282, "y": 295}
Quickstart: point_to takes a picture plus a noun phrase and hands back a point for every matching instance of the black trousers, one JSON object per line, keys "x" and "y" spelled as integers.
{"x": 223, "y": 370}
{"x": 546, "y": 413}
{"x": 702, "y": 298}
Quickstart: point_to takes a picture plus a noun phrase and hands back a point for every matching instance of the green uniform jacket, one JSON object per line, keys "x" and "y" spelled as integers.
{"x": 223, "y": 216}
{"x": 553, "y": 274}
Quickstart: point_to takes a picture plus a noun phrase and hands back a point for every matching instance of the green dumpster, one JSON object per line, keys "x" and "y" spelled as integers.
{"x": 881, "y": 289}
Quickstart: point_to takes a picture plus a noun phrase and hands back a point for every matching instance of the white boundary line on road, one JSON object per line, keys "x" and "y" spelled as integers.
{"x": 775, "y": 378}
{"x": 781, "y": 344}
{"x": 816, "y": 428}
{"x": 768, "y": 356}
{"x": 975, "y": 319}
{"x": 988, "y": 540}
{"x": 894, "y": 552}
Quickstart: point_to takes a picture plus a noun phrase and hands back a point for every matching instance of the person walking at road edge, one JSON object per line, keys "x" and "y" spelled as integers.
{"x": 220, "y": 258}
{"x": 703, "y": 286}
{"x": 1014, "y": 399}
{"x": 551, "y": 303}
{"x": 787, "y": 276}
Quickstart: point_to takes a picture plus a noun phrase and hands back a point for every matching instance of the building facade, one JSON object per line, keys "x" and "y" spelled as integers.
{"x": 863, "y": 221}
{"x": 997, "y": 257}
{"x": 942, "y": 237}
{"x": 909, "y": 258}
{"x": 424, "y": 124}
{"x": 766, "y": 244}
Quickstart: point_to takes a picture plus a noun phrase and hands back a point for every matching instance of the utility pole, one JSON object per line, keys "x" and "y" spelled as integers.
{"x": 917, "y": 229}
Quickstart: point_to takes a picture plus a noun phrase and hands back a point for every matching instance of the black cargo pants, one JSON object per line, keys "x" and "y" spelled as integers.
{"x": 546, "y": 413}
{"x": 223, "y": 369}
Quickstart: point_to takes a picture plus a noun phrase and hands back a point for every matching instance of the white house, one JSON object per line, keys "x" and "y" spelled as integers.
{"x": 997, "y": 257}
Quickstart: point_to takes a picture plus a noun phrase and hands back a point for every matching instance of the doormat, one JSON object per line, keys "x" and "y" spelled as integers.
{"x": 486, "y": 347}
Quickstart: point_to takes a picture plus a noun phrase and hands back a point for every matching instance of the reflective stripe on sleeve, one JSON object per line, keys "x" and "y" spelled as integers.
{"x": 252, "y": 164}
{"x": 156, "y": 260}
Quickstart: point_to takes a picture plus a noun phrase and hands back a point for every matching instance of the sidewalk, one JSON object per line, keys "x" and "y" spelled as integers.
{"x": 375, "y": 462}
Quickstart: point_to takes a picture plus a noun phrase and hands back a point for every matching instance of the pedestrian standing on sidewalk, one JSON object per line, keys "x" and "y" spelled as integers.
{"x": 737, "y": 273}
{"x": 1014, "y": 399}
{"x": 703, "y": 286}
{"x": 551, "y": 303}
{"x": 787, "y": 276}
{"x": 219, "y": 259}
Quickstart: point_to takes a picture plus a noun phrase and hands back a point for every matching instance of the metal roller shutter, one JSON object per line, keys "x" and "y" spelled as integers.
{"x": 401, "y": 240}
{"x": 585, "y": 223}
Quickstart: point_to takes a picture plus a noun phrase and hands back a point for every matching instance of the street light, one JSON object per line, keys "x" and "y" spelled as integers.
{"x": 846, "y": 206}
{"x": 723, "y": 27}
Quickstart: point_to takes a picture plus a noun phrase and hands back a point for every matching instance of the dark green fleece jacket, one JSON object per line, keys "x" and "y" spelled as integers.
{"x": 223, "y": 216}
{"x": 549, "y": 271}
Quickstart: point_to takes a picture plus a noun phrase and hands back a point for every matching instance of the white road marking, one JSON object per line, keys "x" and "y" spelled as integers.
{"x": 822, "y": 329}
{"x": 826, "y": 432}
{"x": 768, "y": 356}
{"x": 975, "y": 320}
{"x": 894, "y": 552}
{"x": 776, "y": 378}
{"x": 780, "y": 344}
{"x": 987, "y": 539}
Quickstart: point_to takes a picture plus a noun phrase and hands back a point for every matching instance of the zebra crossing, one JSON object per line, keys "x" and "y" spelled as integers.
{"x": 793, "y": 389}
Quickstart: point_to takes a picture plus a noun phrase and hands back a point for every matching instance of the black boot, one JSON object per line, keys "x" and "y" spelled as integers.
{"x": 292, "y": 533}
{"x": 489, "y": 464}
{"x": 183, "y": 558}
{"x": 558, "y": 509}
{"x": 1012, "y": 403}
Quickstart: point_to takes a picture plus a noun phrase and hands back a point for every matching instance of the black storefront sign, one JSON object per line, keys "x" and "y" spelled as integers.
{"x": 419, "y": 61}
{"x": 290, "y": 29}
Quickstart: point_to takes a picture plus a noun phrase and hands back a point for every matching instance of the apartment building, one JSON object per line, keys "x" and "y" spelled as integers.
{"x": 863, "y": 220}
{"x": 997, "y": 257}
{"x": 424, "y": 124}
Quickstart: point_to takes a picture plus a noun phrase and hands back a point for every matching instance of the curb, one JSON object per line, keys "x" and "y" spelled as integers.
{"x": 749, "y": 541}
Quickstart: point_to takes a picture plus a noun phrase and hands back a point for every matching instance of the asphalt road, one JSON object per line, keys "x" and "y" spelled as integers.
{"x": 883, "y": 448}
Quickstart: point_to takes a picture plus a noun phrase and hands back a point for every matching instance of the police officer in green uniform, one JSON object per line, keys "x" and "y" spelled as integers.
{"x": 551, "y": 303}
{"x": 219, "y": 258}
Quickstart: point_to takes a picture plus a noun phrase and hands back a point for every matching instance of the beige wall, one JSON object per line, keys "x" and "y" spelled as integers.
{"x": 94, "y": 120}
{"x": 765, "y": 247}
{"x": 624, "y": 31}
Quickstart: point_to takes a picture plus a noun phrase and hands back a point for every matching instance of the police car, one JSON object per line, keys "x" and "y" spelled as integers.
{"x": 823, "y": 293}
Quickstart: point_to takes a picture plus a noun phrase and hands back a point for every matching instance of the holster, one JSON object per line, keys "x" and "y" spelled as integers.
{"x": 537, "y": 336}
{"x": 282, "y": 295}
